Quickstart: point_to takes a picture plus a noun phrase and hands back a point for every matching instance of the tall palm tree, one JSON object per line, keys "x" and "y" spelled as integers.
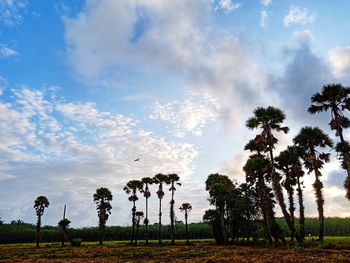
{"x": 131, "y": 188}
{"x": 268, "y": 120}
{"x": 102, "y": 199}
{"x": 139, "y": 216}
{"x": 186, "y": 208}
{"x": 336, "y": 99}
{"x": 172, "y": 180}
{"x": 40, "y": 203}
{"x": 160, "y": 179}
{"x": 289, "y": 163}
{"x": 147, "y": 194}
{"x": 311, "y": 138}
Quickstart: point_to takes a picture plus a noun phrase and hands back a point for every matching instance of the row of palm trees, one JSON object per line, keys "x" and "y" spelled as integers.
{"x": 262, "y": 167}
{"x": 103, "y": 198}
{"x": 134, "y": 187}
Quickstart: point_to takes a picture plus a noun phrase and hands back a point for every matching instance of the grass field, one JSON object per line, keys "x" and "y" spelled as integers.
{"x": 334, "y": 249}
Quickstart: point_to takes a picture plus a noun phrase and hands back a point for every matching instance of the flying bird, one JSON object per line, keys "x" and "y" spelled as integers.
{"x": 136, "y": 160}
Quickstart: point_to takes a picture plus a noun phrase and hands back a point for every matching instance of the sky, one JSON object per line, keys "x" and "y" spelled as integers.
{"x": 88, "y": 86}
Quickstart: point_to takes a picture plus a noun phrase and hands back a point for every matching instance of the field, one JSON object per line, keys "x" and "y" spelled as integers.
{"x": 334, "y": 249}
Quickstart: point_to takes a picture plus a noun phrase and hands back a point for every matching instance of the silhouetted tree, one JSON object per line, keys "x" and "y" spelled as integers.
{"x": 139, "y": 216}
{"x": 131, "y": 188}
{"x": 268, "y": 120}
{"x": 102, "y": 199}
{"x": 160, "y": 179}
{"x": 310, "y": 139}
{"x": 147, "y": 194}
{"x": 40, "y": 203}
{"x": 258, "y": 173}
{"x": 336, "y": 99}
{"x": 186, "y": 208}
{"x": 63, "y": 225}
{"x": 289, "y": 161}
{"x": 220, "y": 189}
{"x": 172, "y": 180}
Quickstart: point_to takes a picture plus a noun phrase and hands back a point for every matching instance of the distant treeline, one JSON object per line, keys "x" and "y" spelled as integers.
{"x": 25, "y": 233}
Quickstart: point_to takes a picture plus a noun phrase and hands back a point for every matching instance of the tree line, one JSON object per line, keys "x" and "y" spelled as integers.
{"x": 103, "y": 198}
{"x": 240, "y": 208}
{"x": 18, "y": 231}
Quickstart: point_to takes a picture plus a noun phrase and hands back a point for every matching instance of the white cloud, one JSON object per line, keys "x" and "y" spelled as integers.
{"x": 266, "y": 2}
{"x": 264, "y": 17}
{"x": 189, "y": 116}
{"x": 340, "y": 61}
{"x": 227, "y": 5}
{"x": 303, "y": 36}
{"x": 11, "y": 11}
{"x": 185, "y": 47}
{"x": 59, "y": 149}
{"x": 7, "y": 52}
{"x": 298, "y": 16}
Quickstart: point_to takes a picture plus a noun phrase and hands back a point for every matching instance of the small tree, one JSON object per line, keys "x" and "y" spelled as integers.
{"x": 102, "y": 199}
{"x": 186, "y": 208}
{"x": 63, "y": 225}
{"x": 139, "y": 216}
{"x": 40, "y": 203}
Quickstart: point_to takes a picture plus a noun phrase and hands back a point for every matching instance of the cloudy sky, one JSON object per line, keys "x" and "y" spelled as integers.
{"x": 87, "y": 86}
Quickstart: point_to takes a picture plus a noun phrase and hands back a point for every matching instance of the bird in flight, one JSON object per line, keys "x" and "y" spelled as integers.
{"x": 136, "y": 160}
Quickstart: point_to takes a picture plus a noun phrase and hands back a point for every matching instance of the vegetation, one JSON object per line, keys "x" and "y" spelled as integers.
{"x": 102, "y": 199}
{"x": 186, "y": 208}
{"x": 160, "y": 179}
{"x": 131, "y": 188}
{"x": 40, "y": 203}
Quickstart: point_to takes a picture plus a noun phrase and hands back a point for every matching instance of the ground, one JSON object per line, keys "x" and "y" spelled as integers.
{"x": 335, "y": 251}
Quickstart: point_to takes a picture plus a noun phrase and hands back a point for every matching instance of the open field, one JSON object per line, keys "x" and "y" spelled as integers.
{"x": 334, "y": 249}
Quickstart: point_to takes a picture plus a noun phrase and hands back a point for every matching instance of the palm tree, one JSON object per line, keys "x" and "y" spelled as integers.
{"x": 160, "y": 179}
{"x": 131, "y": 188}
{"x": 268, "y": 120}
{"x": 173, "y": 179}
{"x": 147, "y": 194}
{"x": 139, "y": 216}
{"x": 40, "y": 203}
{"x": 186, "y": 208}
{"x": 310, "y": 139}
{"x": 102, "y": 199}
{"x": 258, "y": 173}
{"x": 289, "y": 163}
{"x": 63, "y": 225}
{"x": 336, "y": 99}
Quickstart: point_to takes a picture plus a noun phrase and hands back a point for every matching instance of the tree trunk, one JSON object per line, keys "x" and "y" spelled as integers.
{"x": 137, "y": 231}
{"x": 320, "y": 201}
{"x": 160, "y": 222}
{"x": 133, "y": 222}
{"x": 172, "y": 215}
{"x": 291, "y": 208}
{"x": 37, "y": 232}
{"x": 146, "y": 221}
{"x": 266, "y": 222}
{"x": 186, "y": 216}
{"x": 301, "y": 210}
{"x": 279, "y": 195}
{"x": 101, "y": 228}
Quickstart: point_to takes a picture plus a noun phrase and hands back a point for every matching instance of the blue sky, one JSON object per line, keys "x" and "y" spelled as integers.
{"x": 88, "y": 86}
